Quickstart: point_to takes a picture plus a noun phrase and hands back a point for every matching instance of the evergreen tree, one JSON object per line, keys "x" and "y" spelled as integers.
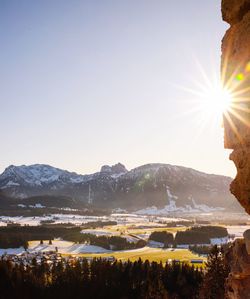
{"x": 98, "y": 279}
{"x": 217, "y": 272}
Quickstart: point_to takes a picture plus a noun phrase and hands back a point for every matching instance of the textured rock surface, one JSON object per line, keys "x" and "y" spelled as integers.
{"x": 240, "y": 187}
{"x": 247, "y": 240}
{"x": 234, "y": 10}
{"x": 235, "y": 70}
{"x": 236, "y": 73}
{"x": 238, "y": 282}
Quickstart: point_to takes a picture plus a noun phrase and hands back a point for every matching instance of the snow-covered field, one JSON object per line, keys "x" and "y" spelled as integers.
{"x": 171, "y": 207}
{"x": 237, "y": 230}
{"x": 64, "y": 247}
{"x": 60, "y": 246}
{"x": 98, "y": 232}
{"x": 85, "y": 248}
{"x": 131, "y": 226}
{"x": 79, "y": 219}
{"x": 109, "y": 233}
{"x": 11, "y": 251}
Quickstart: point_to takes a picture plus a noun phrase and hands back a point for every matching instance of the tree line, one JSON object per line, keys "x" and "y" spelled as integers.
{"x": 17, "y": 236}
{"x": 100, "y": 279}
{"x": 14, "y": 236}
{"x": 193, "y": 235}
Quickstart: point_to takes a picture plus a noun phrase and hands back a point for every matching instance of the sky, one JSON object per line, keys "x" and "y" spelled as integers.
{"x": 86, "y": 83}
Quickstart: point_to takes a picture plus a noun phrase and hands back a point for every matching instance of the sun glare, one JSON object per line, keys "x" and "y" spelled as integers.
{"x": 213, "y": 97}
{"x": 209, "y": 102}
{"x": 210, "y": 99}
{"x": 216, "y": 99}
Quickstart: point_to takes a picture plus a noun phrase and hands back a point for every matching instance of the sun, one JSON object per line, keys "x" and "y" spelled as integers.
{"x": 215, "y": 99}
{"x": 212, "y": 103}
{"x": 209, "y": 99}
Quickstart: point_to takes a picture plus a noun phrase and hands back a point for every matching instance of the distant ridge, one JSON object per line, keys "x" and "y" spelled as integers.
{"x": 154, "y": 184}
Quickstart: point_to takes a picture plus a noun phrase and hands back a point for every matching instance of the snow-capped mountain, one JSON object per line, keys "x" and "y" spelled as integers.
{"x": 37, "y": 175}
{"x": 161, "y": 186}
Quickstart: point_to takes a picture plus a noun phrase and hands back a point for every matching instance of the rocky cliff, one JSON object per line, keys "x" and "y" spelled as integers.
{"x": 236, "y": 76}
{"x": 238, "y": 281}
{"x": 235, "y": 70}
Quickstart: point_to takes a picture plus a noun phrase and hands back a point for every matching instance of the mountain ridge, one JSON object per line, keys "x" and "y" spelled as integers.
{"x": 115, "y": 186}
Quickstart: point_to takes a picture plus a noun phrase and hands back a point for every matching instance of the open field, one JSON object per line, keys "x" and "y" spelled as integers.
{"x": 138, "y": 230}
{"x": 88, "y": 251}
{"x": 148, "y": 253}
{"x": 129, "y": 226}
{"x": 65, "y": 247}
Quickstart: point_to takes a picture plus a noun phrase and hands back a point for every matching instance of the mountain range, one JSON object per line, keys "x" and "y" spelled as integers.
{"x": 156, "y": 187}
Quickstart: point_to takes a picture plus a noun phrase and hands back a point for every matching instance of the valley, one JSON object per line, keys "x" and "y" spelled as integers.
{"x": 156, "y": 212}
{"x": 131, "y": 227}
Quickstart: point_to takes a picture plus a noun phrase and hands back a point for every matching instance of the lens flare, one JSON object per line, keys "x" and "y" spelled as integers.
{"x": 216, "y": 97}
{"x": 240, "y": 77}
{"x": 247, "y": 67}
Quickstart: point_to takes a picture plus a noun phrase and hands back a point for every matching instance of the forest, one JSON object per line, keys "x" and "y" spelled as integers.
{"x": 14, "y": 236}
{"x": 200, "y": 235}
{"x": 100, "y": 279}
{"x": 162, "y": 236}
{"x": 193, "y": 235}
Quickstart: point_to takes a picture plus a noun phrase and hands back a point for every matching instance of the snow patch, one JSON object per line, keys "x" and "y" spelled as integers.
{"x": 10, "y": 184}
{"x": 37, "y": 206}
{"x": 171, "y": 207}
{"x": 17, "y": 251}
{"x": 219, "y": 241}
{"x": 96, "y": 232}
{"x": 85, "y": 248}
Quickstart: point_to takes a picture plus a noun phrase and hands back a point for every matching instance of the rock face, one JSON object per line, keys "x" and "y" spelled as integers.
{"x": 238, "y": 282}
{"x": 233, "y": 11}
{"x": 115, "y": 169}
{"x": 235, "y": 70}
{"x": 236, "y": 76}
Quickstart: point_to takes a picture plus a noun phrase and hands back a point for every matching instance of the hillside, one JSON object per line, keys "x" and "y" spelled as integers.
{"x": 167, "y": 187}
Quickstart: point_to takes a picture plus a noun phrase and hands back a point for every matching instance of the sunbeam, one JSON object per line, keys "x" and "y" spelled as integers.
{"x": 211, "y": 99}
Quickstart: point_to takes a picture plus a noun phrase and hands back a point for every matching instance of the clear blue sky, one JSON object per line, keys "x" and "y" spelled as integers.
{"x": 87, "y": 83}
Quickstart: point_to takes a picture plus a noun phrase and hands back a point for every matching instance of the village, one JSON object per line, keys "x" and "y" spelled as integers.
{"x": 30, "y": 259}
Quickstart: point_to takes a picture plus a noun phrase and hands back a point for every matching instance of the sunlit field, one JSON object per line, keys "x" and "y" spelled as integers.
{"x": 136, "y": 230}
{"x": 145, "y": 253}
{"x": 151, "y": 254}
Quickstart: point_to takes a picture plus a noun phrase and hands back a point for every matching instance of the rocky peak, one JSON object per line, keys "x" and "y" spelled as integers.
{"x": 119, "y": 168}
{"x": 114, "y": 169}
